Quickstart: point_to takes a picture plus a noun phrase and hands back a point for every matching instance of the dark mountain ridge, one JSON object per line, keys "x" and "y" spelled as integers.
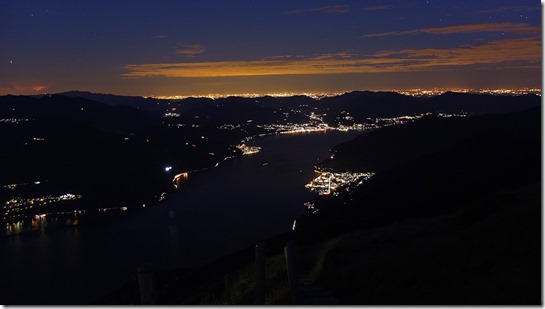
{"x": 457, "y": 224}
{"x": 418, "y": 176}
{"x": 147, "y": 104}
{"x": 392, "y": 146}
{"x": 360, "y": 104}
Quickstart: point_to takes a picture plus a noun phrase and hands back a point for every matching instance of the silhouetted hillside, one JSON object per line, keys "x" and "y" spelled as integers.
{"x": 434, "y": 166}
{"x": 451, "y": 217}
{"x": 389, "y": 104}
{"x": 359, "y": 104}
{"x": 147, "y": 104}
{"x": 230, "y": 112}
{"x": 451, "y": 102}
{"x": 111, "y": 155}
{"x": 392, "y": 146}
{"x": 375, "y": 104}
{"x": 55, "y": 108}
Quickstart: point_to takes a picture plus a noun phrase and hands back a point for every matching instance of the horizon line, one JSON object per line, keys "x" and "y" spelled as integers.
{"x": 318, "y": 94}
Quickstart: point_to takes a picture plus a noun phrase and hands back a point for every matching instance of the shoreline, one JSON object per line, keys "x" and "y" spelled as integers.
{"x": 226, "y": 262}
{"x": 161, "y": 213}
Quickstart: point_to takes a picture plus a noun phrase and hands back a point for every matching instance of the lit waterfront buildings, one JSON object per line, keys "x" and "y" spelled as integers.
{"x": 248, "y": 150}
{"x": 179, "y": 178}
{"x": 13, "y": 120}
{"x": 16, "y": 207}
{"x": 317, "y": 125}
{"x": 15, "y": 185}
{"x": 171, "y": 114}
{"x": 333, "y": 183}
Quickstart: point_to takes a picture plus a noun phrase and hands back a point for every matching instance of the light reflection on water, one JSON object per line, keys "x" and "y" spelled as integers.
{"x": 213, "y": 213}
{"x": 41, "y": 222}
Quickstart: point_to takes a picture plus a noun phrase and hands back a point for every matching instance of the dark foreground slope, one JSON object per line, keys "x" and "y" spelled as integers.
{"x": 455, "y": 221}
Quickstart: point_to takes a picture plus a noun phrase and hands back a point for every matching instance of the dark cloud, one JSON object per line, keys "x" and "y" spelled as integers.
{"x": 191, "y": 50}
{"x": 379, "y": 7}
{"x": 522, "y": 52}
{"x": 508, "y": 27}
{"x": 332, "y": 9}
{"x": 512, "y": 8}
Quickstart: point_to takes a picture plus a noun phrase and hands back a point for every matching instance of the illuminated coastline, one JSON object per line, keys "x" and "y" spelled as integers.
{"x": 327, "y": 183}
{"x": 315, "y": 95}
{"x": 438, "y": 91}
{"x": 248, "y": 150}
{"x": 418, "y": 92}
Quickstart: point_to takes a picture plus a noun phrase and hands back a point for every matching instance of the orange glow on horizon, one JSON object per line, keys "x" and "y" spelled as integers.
{"x": 39, "y": 88}
{"x": 509, "y": 53}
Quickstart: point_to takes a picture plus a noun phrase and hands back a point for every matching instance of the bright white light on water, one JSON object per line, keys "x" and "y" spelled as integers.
{"x": 168, "y": 168}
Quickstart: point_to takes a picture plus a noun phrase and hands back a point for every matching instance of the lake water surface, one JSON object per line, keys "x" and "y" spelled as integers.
{"x": 213, "y": 213}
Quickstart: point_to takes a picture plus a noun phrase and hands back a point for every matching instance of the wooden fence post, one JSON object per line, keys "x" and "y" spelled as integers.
{"x": 291, "y": 266}
{"x": 146, "y": 284}
{"x": 260, "y": 273}
{"x": 227, "y": 281}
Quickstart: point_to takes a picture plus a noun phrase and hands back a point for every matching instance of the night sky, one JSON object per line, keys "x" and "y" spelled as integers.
{"x": 245, "y": 46}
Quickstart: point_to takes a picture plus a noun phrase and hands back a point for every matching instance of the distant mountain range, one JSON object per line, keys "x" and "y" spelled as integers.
{"x": 92, "y": 143}
{"x": 453, "y": 210}
{"x": 434, "y": 166}
{"x": 366, "y": 103}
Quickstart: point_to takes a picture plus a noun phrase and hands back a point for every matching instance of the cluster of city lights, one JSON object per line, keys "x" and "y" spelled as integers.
{"x": 310, "y": 207}
{"x": 438, "y": 91}
{"x": 386, "y": 122}
{"x": 13, "y": 120}
{"x": 327, "y": 183}
{"x": 171, "y": 114}
{"x": 12, "y": 186}
{"x": 248, "y": 150}
{"x": 13, "y": 208}
{"x": 321, "y": 94}
{"x": 315, "y": 95}
{"x": 375, "y": 123}
{"x": 228, "y": 126}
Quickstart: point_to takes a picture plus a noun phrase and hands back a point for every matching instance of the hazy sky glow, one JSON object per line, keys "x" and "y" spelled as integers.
{"x": 200, "y": 47}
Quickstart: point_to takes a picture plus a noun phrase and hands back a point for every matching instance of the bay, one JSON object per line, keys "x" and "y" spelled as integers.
{"x": 215, "y": 212}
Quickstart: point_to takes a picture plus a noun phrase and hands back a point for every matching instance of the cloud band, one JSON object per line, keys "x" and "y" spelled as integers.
{"x": 519, "y": 52}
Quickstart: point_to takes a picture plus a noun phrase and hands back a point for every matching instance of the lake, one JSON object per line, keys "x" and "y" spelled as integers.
{"x": 213, "y": 213}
